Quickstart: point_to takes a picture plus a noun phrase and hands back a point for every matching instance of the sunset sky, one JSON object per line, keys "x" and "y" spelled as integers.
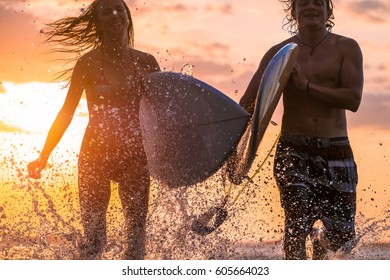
{"x": 224, "y": 40}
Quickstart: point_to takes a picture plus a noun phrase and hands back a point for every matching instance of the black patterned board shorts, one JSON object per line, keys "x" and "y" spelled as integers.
{"x": 317, "y": 179}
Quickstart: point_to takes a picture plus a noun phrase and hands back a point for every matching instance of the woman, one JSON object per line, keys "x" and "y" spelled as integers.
{"x": 110, "y": 73}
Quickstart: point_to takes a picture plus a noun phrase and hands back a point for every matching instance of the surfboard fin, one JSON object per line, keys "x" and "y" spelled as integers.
{"x": 209, "y": 221}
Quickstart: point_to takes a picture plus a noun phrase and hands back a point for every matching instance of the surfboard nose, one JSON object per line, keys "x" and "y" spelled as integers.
{"x": 189, "y": 128}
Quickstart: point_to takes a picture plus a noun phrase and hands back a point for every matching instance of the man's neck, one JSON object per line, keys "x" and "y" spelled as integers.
{"x": 312, "y": 37}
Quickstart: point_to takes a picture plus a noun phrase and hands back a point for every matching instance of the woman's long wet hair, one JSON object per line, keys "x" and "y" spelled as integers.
{"x": 79, "y": 34}
{"x": 291, "y": 25}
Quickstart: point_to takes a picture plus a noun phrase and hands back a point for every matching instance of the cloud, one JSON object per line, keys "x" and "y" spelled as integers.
{"x": 211, "y": 48}
{"x": 161, "y": 7}
{"x": 210, "y": 68}
{"x": 374, "y": 11}
{"x": 2, "y": 89}
{"x": 222, "y": 8}
{"x": 46, "y": 11}
{"x": 21, "y": 52}
{"x": 382, "y": 67}
{"x": 8, "y": 129}
{"x": 374, "y": 112}
{"x": 377, "y": 78}
{"x": 228, "y": 77}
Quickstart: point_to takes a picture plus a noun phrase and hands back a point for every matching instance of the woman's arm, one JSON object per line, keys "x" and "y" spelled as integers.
{"x": 61, "y": 123}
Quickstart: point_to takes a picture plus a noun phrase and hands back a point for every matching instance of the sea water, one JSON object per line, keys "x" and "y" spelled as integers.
{"x": 40, "y": 219}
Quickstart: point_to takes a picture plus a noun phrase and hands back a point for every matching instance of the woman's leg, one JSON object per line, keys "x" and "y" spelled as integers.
{"x": 134, "y": 194}
{"x": 94, "y": 196}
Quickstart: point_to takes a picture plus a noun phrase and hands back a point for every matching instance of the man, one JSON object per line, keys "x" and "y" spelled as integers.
{"x": 314, "y": 165}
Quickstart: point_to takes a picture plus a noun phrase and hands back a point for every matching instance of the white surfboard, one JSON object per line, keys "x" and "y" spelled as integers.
{"x": 189, "y": 128}
{"x": 272, "y": 84}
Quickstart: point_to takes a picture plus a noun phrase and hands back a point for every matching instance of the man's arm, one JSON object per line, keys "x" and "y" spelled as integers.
{"x": 349, "y": 93}
{"x": 249, "y": 98}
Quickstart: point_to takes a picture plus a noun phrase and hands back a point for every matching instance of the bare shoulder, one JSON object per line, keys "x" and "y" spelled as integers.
{"x": 274, "y": 49}
{"x": 344, "y": 43}
{"x": 147, "y": 62}
{"x": 88, "y": 59}
{"x": 280, "y": 45}
{"x": 86, "y": 68}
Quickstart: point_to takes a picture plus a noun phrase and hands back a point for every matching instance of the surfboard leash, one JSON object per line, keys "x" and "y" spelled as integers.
{"x": 209, "y": 221}
{"x": 257, "y": 171}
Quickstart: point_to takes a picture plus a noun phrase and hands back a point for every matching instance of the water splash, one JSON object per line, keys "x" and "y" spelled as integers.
{"x": 187, "y": 69}
{"x": 32, "y": 226}
{"x": 41, "y": 220}
{"x": 367, "y": 243}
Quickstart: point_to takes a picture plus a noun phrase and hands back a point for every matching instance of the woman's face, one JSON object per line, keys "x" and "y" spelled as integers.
{"x": 112, "y": 18}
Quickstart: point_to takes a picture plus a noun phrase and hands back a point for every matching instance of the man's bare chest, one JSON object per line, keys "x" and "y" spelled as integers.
{"x": 322, "y": 67}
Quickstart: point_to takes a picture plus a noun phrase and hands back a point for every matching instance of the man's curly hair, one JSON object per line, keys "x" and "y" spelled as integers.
{"x": 291, "y": 25}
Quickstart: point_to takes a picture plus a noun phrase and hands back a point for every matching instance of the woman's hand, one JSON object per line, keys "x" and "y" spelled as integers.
{"x": 35, "y": 167}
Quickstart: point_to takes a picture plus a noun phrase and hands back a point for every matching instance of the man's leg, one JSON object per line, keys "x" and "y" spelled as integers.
{"x": 296, "y": 202}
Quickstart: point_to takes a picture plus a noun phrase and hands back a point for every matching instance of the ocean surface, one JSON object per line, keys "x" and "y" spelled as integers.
{"x": 39, "y": 219}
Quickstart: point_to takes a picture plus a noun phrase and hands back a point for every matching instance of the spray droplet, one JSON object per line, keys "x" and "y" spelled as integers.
{"x": 187, "y": 69}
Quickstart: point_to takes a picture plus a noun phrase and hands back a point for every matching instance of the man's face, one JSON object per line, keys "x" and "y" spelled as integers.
{"x": 310, "y": 12}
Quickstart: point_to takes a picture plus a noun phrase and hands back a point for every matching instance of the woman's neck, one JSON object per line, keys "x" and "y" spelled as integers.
{"x": 115, "y": 47}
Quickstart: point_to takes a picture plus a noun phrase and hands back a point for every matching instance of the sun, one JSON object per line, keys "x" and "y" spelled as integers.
{"x": 32, "y": 107}
{"x": 27, "y": 113}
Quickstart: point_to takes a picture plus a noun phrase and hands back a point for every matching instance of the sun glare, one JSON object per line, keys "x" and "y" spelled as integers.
{"x": 32, "y": 107}
{"x": 27, "y": 113}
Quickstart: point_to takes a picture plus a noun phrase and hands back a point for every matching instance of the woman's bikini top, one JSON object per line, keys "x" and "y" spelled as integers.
{"x": 103, "y": 89}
